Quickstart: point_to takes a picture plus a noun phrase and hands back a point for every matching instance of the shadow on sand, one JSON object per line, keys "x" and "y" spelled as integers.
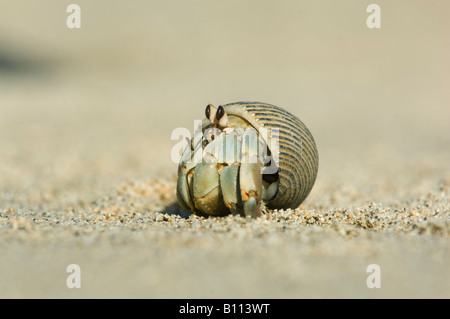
{"x": 175, "y": 209}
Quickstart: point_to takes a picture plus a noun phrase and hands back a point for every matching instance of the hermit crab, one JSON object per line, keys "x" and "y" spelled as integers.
{"x": 247, "y": 153}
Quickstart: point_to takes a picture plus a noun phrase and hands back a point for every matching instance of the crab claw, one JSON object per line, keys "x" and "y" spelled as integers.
{"x": 207, "y": 195}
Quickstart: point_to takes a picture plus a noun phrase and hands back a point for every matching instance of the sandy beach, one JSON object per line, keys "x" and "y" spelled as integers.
{"x": 86, "y": 175}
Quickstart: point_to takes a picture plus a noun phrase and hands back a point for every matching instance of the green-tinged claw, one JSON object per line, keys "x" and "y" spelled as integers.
{"x": 229, "y": 183}
{"x": 207, "y": 195}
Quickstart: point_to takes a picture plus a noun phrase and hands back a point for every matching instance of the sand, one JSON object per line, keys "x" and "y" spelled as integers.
{"x": 86, "y": 175}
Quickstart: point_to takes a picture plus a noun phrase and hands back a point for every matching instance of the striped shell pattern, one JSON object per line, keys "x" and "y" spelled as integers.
{"x": 298, "y": 157}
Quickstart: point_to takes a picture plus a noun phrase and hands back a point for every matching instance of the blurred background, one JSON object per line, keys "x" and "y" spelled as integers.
{"x": 108, "y": 95}
{"x": 82, "y": 110}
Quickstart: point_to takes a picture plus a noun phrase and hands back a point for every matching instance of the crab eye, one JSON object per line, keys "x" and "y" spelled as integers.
{"x": 208, "y": 111}
{"x": 220, "y": 113}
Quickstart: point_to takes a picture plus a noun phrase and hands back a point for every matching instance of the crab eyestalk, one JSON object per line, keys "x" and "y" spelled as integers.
{"x": 210, "y": 112}
{"x": 217, "y": 116}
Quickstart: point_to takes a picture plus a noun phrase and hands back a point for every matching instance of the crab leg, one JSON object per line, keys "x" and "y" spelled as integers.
{"x": 229, "y": 183}
{"x": 251, "y": 188}
{"x": 250, "y": 178}
{"x": 185, "y": 173}
{"x": 183, "y": 195}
